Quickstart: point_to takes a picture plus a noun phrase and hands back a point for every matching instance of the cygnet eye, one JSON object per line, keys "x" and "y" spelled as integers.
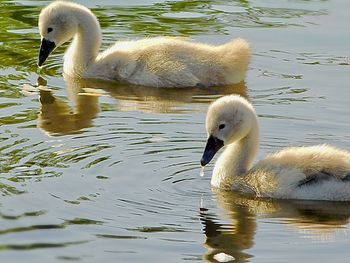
{"x": 221, "y": 126}
{"x": 50, "y": 29}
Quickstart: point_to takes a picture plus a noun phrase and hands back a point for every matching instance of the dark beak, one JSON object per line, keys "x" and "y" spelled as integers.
{"x": 46, "y": 48}
{"x": 212, "y": 147}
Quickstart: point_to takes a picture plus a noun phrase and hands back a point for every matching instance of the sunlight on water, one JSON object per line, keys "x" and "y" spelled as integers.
{"x": 99, "y": 171}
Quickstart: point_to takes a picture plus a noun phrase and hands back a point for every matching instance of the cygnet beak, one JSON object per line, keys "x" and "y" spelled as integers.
{"x": 46, "y": 48}
{"x": 213, "y": 146}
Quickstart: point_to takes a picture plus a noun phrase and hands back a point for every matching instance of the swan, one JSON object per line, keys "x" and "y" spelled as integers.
{"x": 319, "y": 172}
{"x": 156, "y": 62}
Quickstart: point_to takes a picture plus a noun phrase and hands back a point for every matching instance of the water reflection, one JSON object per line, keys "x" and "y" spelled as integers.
{"x": 231, "y": 240}
{"x": 189, "y": 18}
{"x": 311, "y": 219}
{"x": 57, "y": 117}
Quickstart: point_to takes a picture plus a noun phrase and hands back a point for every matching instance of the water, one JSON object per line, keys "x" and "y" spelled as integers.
{"x": 94, "y": 171}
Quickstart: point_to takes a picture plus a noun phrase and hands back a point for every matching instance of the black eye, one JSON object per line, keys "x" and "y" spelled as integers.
{"x": 49, "y": 29}
{"x": 221, "y": 126}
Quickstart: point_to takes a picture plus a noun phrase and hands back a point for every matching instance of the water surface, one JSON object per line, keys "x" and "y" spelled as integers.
{"x": 96, "y": 171}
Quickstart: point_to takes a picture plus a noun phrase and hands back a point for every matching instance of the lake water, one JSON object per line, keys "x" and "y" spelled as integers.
{"x": 98, "y": 172}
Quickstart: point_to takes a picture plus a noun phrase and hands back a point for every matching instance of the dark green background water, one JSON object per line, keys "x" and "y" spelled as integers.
{"x": 95, "y": 172}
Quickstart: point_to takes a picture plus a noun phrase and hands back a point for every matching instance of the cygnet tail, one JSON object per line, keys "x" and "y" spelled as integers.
{"x": 236, "y": 57}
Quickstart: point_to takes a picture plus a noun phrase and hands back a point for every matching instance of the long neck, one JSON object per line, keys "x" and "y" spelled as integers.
{"x": 236, "y": 159}
{"x": 86, "y": 44}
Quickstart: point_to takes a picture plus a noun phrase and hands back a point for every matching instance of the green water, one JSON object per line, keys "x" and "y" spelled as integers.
{"x": 94, "y": 171}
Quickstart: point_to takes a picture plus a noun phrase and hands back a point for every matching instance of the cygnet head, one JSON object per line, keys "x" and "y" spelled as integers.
{"x": 57, "y": 25}
{"x": 229, "y": 119}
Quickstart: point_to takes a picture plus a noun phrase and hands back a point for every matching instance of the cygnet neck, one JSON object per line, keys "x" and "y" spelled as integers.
{"x": 85, "y": 45}
{"x": 236, "y": 159}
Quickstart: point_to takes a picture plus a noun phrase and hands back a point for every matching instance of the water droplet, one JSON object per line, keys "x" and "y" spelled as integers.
{"x": 201, "y": 173}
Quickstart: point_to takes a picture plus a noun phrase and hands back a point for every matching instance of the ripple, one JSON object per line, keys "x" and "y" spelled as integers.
{"x": 120, "y": 237}
{"x": 183, "y": 15}
{"x": 6, "y": 189}
{"x": 157, "y": 229}
{"x": 308, "y": 58}
{"x": 38, "y": 245}
{"x": 27, "y": 214}
{"x": 323, "y": 59}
